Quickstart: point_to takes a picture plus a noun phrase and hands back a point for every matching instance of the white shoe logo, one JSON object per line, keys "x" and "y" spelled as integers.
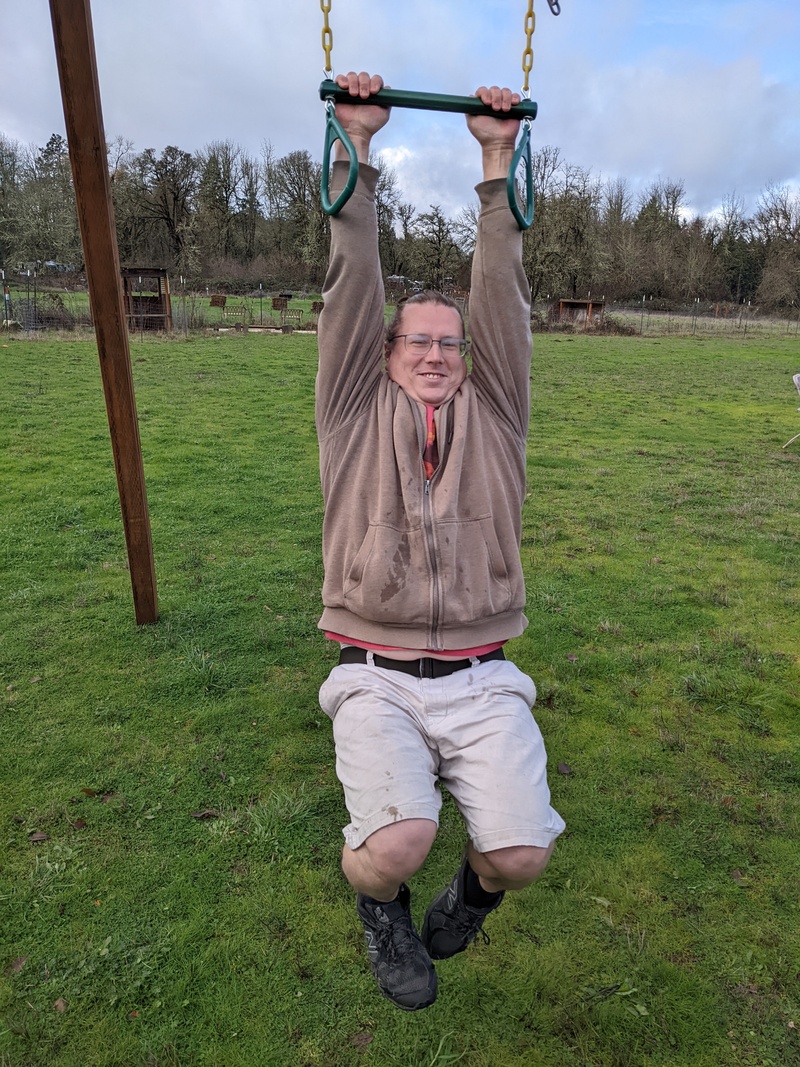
{"x": 372, "y": 948}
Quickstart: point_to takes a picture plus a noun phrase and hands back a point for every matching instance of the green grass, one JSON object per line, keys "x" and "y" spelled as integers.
{"x": 186, "y": 907}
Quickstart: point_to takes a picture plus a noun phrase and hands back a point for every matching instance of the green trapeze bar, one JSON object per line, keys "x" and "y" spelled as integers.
{"x": 466, "y": 105}
{"x": 460, "y": 105}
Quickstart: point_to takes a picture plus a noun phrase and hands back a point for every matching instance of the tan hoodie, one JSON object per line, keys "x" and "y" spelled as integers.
{"x": 408, "y": 563}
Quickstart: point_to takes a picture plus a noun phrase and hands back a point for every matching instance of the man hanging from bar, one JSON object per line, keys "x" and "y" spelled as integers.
{"x": 423, "y": 476}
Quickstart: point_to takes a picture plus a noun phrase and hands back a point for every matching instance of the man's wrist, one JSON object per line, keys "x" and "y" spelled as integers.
{"x": 360, "y": 143}
{"x": 497, "y": 160}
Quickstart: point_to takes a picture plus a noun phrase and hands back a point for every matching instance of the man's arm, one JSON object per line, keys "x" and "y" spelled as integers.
{"x": 499, "y": 306}
{"x": 350, "y": 333}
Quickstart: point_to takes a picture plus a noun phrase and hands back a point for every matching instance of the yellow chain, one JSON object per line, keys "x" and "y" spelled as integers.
{"x": 327, "y": 36}
{"x": 527, "y": 55}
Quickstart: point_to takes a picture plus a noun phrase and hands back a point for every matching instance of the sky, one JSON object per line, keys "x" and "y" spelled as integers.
{"x": 704, "y": 92}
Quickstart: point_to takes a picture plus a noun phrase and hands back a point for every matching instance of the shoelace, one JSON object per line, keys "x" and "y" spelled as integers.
{"x": 471, "y": 926}
{"x": 396, "y": 938}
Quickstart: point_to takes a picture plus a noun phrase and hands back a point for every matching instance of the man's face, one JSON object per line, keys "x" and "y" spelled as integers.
{"x": 431, "y": 377}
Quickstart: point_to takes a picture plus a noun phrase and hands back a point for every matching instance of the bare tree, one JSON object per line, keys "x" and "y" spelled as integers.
{"x": 562, "y": 251}
{"x": 465, "y": 228}
{"x": 47, "y": 223}
{"x": 248, "y": 205}
{"x": 218, "y": 190}
{"x": 777, "y": 215}
{"x": 777, "y": 223}
{"x": 11, "y": 156}
{"x": 436, "y": 257}
{"x": 622, "y": 275}
{"x": 128, "y": 193}
{"x": 539, "y": 252}
{"x": 616, "y": 204}
{"x": 387, "y": 205}
{"x": 168, "y": 188}
{"x": 298, "y": 231}
{"x": 739, "y": 255}
{"x": 406, "y": 213}
{"x": 657, "y": 226}
{"x": 701, "y": 274}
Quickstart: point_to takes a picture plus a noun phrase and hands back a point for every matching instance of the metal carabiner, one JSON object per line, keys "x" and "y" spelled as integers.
{"x": 555, "y": 6}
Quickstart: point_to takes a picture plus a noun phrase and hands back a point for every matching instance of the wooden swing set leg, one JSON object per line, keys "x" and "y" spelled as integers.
{"x": 77, "y": 70}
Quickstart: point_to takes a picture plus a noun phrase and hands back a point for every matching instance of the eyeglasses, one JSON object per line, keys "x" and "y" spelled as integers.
{"x": 420, "y": 343}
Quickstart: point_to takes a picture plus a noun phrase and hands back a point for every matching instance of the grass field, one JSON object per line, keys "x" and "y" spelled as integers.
{"x": 169, "y": 883}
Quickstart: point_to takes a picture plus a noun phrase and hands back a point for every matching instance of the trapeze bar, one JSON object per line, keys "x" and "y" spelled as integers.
{"x": 461, "y": 105}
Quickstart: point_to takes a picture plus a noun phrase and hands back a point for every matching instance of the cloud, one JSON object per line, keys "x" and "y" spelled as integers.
{"x": 708, "y": 94}
{"x": 438, "y": 170}
{"x": 716, "y": 126}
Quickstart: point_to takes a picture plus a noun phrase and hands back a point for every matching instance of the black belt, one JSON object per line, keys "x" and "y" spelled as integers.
{"x": 417, "y": 668}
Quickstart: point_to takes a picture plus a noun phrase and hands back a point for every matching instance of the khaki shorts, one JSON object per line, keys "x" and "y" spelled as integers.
{"x": 396, "y": 736}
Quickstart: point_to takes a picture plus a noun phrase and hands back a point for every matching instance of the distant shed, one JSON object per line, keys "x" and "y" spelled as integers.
{"x": 585, "y": 312}
{"x": 146, "y": 295}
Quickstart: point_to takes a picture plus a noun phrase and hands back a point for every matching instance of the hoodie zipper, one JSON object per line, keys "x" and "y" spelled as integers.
{"x": 427, "y": 516}
{"x": 433, "y": 643}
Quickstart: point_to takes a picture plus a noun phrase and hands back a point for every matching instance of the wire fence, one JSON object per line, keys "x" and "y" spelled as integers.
{"x": 647, "y": 319}
{"x": 718, "y": 320}
{"x": 36, "y": 304}
{"x": 35, "y": 307}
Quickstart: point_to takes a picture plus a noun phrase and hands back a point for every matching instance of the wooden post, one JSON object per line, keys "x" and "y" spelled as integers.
{"x": 77, "y": 70}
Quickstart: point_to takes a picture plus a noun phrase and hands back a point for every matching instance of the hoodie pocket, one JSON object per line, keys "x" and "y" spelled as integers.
{"x": 475, "y": 577}
{"x": 389, "y": 579}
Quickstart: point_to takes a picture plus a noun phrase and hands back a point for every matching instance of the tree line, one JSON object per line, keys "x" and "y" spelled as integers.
{"x": 231, "y": 220}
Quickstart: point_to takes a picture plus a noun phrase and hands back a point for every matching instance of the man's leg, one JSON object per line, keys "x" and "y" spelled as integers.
{"x": 455, "y": 917}
{"x": 378, "y": 870}
{"x": 493, "y": 762}
{"x": 388, "y": 770}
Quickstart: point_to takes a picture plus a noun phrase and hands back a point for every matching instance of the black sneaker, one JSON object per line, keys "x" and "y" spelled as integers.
{"x": 400, "y": 963}
{"x": 450, "y": 923}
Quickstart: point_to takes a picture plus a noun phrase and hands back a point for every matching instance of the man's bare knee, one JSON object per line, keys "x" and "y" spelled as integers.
{"x": 399, "y": 850}
{"x": 389, "y": 856}
{"x": 510, "y": 868}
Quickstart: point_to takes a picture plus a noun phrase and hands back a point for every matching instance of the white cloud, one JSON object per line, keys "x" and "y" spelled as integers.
{"x": 710, "y": 95}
